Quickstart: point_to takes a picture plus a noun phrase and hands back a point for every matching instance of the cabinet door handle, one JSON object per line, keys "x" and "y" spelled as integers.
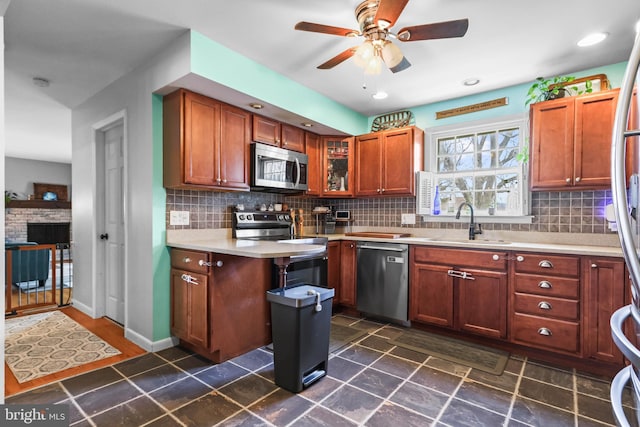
{"x": 594, "y": 265}
{"x": 382, "y": 191}
{"x": 203, "y": 263}
{"x": 568, "y": 180}
{"x": 460, "y": 274}
{"x": 545, "y": 331}
{"x": 545, "y": 285}
{"x": 495, "y": 257}
{"x": 189, "y": 279}
{"x": 224, "y": 181}
{"x": 545, "y": 264}
{"x": 519, "y": 258}
{"x": 186, "y": 260}
{"x": 219, "y": 263}
{"x": 577, "y": 179}
{"x": 543, "y": 305}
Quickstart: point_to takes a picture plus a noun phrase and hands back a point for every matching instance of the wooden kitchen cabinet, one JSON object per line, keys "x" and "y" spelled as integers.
{"x": 386, "y": 162}
{"x": 570, "y": 137}
{"x": 333, "y": 269}
{"x": 447, "y": 287}
{"x": 348, "y": 259}
{"x": 218, "y": 303}
{"x": 272, "y": 132}
{"x": 313, "y": 149}
{"x": 189, "y": 296}
{"x": 337, "y": 166}
{"x": 545, "y": 302}
{"x": 206, "y": 143}
{"x": 604, "y": 279}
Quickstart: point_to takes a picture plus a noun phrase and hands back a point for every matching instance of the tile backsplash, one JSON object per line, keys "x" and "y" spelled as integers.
{"x": 565, "y": 212}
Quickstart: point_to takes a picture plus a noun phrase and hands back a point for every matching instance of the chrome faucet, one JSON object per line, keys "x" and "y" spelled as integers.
{"x": 473, "y": 227}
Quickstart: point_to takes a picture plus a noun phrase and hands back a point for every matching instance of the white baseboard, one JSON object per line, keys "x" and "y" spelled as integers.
{"x": 147, "y": 344}
{"x": 89, "y": 311}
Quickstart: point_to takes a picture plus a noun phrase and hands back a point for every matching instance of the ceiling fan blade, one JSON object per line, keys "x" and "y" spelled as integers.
{"x": 389, "y": 11}
{"x": 440, "y": 30}
{"x": 339, "y": 58}
{"x": 325, "y": 29}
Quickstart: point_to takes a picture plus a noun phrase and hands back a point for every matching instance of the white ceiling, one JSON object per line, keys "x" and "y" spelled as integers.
{"x": 83, "y": 45}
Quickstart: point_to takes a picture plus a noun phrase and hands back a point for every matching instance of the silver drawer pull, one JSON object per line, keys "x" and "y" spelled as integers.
{"x": 543, "y": 305}
{"x": 519, "y": 258}
{"x": 544, "y": 331}
{"x": 186, "y": 260}
{"x": 203, "y": 263}
{"x": 545, "y": 285}
{"x": 219, "y": 263}
{"x": 545, "y": 264}
{"x": 495, "y": 257}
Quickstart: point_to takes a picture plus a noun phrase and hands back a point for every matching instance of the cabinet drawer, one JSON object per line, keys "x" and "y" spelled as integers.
{"x": 561, "y": 335}
{"x": 195, "y": 261}
{"x": 547, "y": 264}
{"x": 559, "y": 308}
{"x": 547, "y": 285}
{"x": 486, "y": 260}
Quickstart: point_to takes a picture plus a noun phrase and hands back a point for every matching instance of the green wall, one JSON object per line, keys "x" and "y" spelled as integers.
{"x": 161, "y": 263}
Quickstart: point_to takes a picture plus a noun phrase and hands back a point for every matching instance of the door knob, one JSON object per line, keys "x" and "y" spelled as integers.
{"x": 104, "y": 236}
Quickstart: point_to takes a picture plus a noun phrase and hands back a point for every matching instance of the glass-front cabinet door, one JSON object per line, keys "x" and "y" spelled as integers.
{"x": 338, "y": 154}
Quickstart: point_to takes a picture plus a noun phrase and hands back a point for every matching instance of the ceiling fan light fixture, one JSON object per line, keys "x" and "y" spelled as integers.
{"x": 364, "y": 53}
{"x": 391, "y": 54}
{"x": 383, "y": 24}
{"x": 471, "y": 82}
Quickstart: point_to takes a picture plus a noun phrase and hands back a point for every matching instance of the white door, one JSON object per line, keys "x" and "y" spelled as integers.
{"x": 113, "y": 234}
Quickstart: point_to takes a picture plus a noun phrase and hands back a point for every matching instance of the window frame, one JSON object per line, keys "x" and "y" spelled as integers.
{"x": 432, "y": 135}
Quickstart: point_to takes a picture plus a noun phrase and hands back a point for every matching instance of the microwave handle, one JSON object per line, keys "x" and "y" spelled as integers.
{"x": 297, "y": 172}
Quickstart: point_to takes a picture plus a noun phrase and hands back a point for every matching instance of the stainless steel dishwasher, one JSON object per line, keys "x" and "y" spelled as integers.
{"x": 383, "y": 280}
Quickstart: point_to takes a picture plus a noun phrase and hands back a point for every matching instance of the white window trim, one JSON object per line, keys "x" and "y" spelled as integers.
{"x": 479, "y": 126}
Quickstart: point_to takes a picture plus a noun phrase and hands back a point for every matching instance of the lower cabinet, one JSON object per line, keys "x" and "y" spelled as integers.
{"x": 464, "y": 290}
{"x": 604, "y": 279}
{"x": 348, "y": 259}
{"x": 333, "y": 269}
{"x": 219, "y": 307}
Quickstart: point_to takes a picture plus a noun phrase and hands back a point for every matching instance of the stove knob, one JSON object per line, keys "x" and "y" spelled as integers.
{"x": 280, "y": 217}
{"x": 241, "y": 217}
{"x": 249, "y": 217}
{"x": 287, "y": 217}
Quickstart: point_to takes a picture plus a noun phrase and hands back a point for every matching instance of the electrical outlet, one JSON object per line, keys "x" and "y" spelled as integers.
{"x": 178, "y": 217}
{"x": 408, "y": 219}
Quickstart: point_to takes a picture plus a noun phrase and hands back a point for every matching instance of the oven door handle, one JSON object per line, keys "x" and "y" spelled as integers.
{"x": 314, "y": 255}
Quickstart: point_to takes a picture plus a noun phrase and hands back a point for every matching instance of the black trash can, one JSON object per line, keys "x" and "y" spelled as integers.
{"x": 300, "y": 327}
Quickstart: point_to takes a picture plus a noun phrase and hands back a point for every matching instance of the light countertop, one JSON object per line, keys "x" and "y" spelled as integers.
{"x": 220, "y": 241}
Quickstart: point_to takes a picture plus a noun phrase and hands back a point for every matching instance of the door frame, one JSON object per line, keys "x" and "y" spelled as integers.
{"x": 97, "y": 275}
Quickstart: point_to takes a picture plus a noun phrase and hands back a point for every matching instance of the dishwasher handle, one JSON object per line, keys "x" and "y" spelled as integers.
{"x": 382, "y": 248}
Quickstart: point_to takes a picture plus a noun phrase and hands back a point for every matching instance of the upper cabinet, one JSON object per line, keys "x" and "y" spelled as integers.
{"x": 206, "y": 143}
{"x": 313, "y": 149}
{"x": 386, "y": 162}
{"x": 337, "y": 166}
{"x": 272, "y": 132}
{"x": 571, "y": 142}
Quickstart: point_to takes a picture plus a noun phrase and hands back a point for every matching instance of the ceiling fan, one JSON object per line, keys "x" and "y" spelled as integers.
{"x": 376, "y": 17}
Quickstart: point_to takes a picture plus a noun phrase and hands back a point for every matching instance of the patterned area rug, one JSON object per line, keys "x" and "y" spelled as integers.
{"x": 44, "y": 343}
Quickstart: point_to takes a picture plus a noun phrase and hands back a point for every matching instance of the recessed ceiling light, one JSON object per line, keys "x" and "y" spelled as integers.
{"x": 307, "y": 125}
{"x": 256, "y": 106}
{"x": 592, "y": 39}
{"x": 471, "y": 82}
{"x": 41, "y": 82}
{"x": 380, "y": 95}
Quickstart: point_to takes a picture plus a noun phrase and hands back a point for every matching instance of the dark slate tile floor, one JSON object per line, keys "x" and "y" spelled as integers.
{"x": 369, "y": 383}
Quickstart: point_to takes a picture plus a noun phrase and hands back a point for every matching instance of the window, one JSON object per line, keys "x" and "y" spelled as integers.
{"x": 479, "y": 165}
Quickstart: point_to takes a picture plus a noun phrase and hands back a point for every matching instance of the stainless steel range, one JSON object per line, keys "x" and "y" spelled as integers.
{"x": 277, "y": 226}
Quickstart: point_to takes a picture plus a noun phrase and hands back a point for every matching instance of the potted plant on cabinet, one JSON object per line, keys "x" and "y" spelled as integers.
{"x": 555, "y": 87}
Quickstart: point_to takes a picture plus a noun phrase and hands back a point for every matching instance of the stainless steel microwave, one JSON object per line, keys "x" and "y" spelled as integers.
{"x": 276, "y": 169}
